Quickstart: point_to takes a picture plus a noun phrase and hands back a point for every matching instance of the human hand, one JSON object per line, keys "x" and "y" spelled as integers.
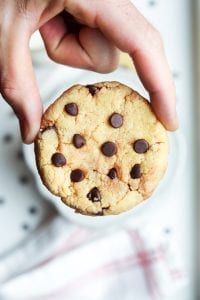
{"x": 107, "y": 26}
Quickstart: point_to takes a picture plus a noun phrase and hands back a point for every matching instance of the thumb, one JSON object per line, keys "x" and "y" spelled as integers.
{"x": 17, "y": 80}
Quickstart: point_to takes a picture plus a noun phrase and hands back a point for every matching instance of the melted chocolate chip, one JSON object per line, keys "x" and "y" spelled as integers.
{"x": 136, "y": 171}
{"x": 71, "y": 109}
{"x": 94, "y": 195}
{"x": 78, "y": 141}
{"x": 92, "y": 89}
{"x": 112, "y": 173}
{"x": 77, "y": 175}
{"x": 58, "y": 159}
{"x": 141, "y": 146}
{"x": 109, "y": 149}
{"x": 116, "y": 120}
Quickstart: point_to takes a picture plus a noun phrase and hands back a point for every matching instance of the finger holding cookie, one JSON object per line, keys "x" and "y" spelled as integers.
{"x": 101, "y": 28}
{"x": 101, "y": 148}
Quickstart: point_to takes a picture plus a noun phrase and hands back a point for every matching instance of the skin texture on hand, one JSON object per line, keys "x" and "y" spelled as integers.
{"x": 106, "y": 27}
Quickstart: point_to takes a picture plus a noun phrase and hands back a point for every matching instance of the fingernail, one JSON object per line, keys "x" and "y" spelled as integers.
{"x": 27, "y": 135}
{"x": 173, "y": 123}
{"x": 23, "y": 129}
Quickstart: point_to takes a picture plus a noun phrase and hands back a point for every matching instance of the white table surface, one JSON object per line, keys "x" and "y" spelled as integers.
{"x": 21, "y": 210}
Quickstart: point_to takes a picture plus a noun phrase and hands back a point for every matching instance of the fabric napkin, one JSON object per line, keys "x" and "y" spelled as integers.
{"x": 64, "y": 261}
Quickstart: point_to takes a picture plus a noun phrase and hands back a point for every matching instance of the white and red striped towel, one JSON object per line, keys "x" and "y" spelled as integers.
{"x": 64, "y": 261}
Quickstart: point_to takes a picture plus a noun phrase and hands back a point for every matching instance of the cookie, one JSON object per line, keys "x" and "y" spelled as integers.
{"x": 101, "y": 149}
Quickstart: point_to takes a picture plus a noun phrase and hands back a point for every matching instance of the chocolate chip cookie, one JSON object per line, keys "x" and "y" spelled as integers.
{"x": 101, "y": 149}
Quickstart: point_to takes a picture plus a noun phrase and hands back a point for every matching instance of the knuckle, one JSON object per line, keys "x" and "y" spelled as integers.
{"x": 21, "y": 5}
{"x": 26, "y": 12}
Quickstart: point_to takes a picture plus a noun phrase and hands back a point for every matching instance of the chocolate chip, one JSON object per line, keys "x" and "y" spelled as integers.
{"x": 71, "y": 109}
{"x": 136, "y": 171}
{"x": 58, "y": 159}
{"x": 116, "y": 120}
{"x": 78, "y": 141}
{"x": 109, "y": 149}
{"x": 94, "y": 195}
{"x": 92, "y": 89}
{"x": 77, "y": 175}
{"x": 112, "y": 173}
{"x": 141, "y": 146}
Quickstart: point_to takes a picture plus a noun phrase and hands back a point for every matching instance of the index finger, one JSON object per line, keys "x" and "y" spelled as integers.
{"x": 123, "y": 24}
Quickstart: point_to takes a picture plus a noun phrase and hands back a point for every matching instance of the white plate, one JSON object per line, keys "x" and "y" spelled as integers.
{"x": 177, "y": 158}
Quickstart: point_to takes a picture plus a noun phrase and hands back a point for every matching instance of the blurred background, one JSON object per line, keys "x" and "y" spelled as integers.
{"x": 48, "y": 252}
